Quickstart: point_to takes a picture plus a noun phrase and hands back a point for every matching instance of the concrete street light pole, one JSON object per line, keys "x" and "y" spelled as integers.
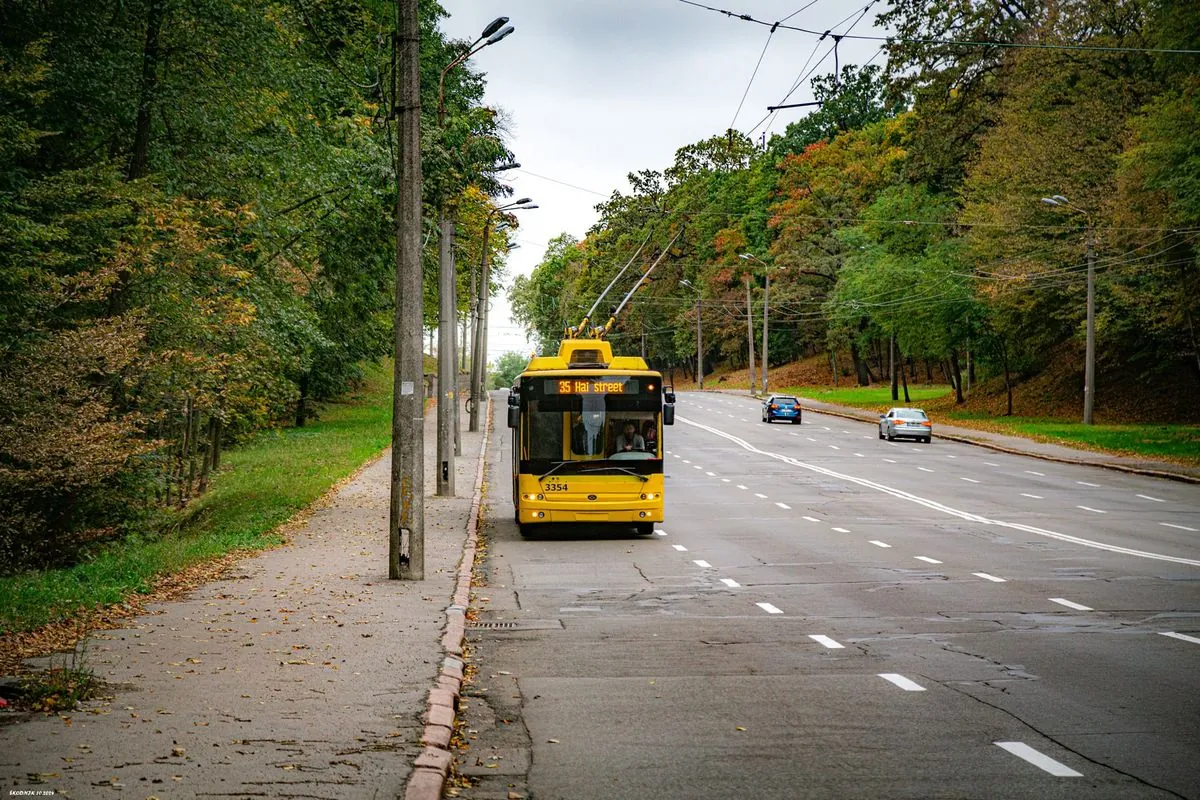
{"x": 1089, "y": 365}
{"x": 766, "y": 313}
{"x": 478, "y": 346}
{"x": 699, "y": 344}
{"x": 448, "y": 444}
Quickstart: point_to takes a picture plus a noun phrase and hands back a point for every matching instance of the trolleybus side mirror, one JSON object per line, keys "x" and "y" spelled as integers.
{"x": 669, "y": 398}
{"x": 668, "y": 415}
{"x": 514, "y": 416}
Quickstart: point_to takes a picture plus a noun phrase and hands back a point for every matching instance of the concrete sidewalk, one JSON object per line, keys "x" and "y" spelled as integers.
{"x": 302, "y": 672}
{"x": 1017, "y": 444}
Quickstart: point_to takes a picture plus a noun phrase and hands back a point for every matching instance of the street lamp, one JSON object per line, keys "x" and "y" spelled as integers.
{"x": 479, "y": 341}
{"x": 449, "y": 443}
{"x": 1089, "y": 364}
{"x": 766, "y": 311}
{"x": 494, "y": 32}
{"x": 699, "y": 346}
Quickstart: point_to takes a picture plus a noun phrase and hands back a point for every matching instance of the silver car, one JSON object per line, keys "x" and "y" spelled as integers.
{"x": 911, "y": 422}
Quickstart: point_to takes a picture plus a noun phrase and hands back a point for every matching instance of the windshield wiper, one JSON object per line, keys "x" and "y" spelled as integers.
{"x": 554, "y": 469}
{"x": 627, "y": 471}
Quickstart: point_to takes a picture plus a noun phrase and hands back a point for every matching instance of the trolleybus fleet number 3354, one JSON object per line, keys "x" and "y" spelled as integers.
{"x": 587, "y": 438}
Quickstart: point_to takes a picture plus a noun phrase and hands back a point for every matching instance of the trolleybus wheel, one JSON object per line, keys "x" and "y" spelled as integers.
{"x": 645, "y": 528}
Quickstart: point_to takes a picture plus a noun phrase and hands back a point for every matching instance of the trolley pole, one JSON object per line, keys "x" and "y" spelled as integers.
{"x": 406, "y": 512}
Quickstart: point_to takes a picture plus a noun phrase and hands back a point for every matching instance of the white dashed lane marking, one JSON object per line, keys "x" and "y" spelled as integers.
{"x": 968, "y": 480}
{"x": 767, "y": 607}
{"x": 1180, "y": 527}
{"x": 743, "y": 488}
{"x": 784, "y": 506}
{"x": 878, "y": 543}
{"x": 1093, "y": 510}
{"x": 988, "y": 577}
{"x": 927, "y": 559}
{"x": 1085, "y": 483}
{"x": 1033, "y": 496}
{"x": 1039, "y": 474}
{"x": 890, "y": 460}
{"x": 702, "y": 564}
{"x": 730, "y": 582}
{"x": 680, "y": 548}
{"x": 1154, "y": 499}
{"x": 1069, "y": 604}
{"x": 925, "y": 469}
{"x": 811, "y": 519}
{"x": 760, "y": 495}
{"x": 1183, "y": 636}
{"x": 901, "y": 681}
{"x": 711, "y": 474}
{"x": 1039, "y": 760}
{"x": 825, "y": 640}
{"x": 841, "y": 530}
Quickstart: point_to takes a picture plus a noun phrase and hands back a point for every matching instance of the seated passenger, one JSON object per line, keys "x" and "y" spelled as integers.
{"x": 630, "y": 439}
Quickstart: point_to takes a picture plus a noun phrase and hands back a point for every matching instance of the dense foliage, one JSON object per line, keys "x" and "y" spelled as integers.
{"x": 196, "y": 215}
{"x": 904, "y": 215}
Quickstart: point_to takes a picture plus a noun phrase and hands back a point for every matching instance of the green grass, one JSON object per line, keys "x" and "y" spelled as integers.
{"x": 868, "y": 396}
{"x": 1173, "y": 442}
{"x": 261, "y": 485}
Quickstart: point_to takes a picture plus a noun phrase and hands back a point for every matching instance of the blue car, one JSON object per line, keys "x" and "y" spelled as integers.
{"x": 781, "y": 406}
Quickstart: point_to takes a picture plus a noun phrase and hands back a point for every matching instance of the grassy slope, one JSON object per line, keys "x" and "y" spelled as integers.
{"x": 261, "y": 485}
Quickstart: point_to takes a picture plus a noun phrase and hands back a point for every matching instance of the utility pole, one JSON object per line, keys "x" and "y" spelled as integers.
{"x": 750, "y": 331}
{"x": 766, "y": 313}
{"x": 406, "y": 512}
{"x": 1089, "y": 368}
{"x": 446, "y": 367}
{"x": 699, "y": 349}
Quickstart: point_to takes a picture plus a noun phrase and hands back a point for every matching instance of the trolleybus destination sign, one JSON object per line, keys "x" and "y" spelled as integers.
{"x": 591, "y": 386}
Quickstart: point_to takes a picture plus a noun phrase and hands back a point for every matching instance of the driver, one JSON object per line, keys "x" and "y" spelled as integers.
{"x": 630, "y": 439}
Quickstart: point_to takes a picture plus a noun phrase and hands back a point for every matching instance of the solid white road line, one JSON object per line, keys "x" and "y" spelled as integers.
{"x": 878, "y": 543}
{"x": 901, "y": 681}
{"x": 1034, "y": 496}
{"x": 1093, "y": 510}
{"x": 1063, "y": 602}
{"x": 1154, "y": 499}
{"x": 1182, "y": 636}
{"x": 1180, "y": 527}
{"x": 811, "y": 519}
{"x": 841, "y": 530}
{"x": 784, "y": 506}
{"x": 702, "y": 564}
{"x": 987, "y": 577}
{"x": 680, "y": 548}
{"x": 1039, "y": 760}
{"x": 825, "y": 640}
{"x": 730, "y": 582}
{"x": 936, "y": 506}
{"x": 968, "y": 480}
{"x": 927, "y": 559}
{"x": 767, "y": 607}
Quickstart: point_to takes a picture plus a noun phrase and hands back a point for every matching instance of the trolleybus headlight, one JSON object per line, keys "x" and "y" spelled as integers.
{"x": 641, "y": 513}
{"x": 541, "y": 514}
{"x": 650, "y": 496}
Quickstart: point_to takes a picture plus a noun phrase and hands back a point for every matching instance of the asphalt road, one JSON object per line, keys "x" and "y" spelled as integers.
{"x": 828, "y": 615}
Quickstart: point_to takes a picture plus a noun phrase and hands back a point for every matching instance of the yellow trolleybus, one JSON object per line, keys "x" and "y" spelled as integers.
{"x": 587, "y": 439}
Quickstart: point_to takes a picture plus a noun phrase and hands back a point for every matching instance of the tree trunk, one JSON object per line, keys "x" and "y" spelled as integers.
{"x": 833, "y": 366}
{"x": 139, "y": 158}
{"x": 302, "y": 402}
{"x": 1007, "y": 379}
{"x": 860, "y": 366}
{"x": 215, "y": 439}
{"x": 892, "y": 367}
{"x": 957, "y": 370}
{"x": 904, "y": 380}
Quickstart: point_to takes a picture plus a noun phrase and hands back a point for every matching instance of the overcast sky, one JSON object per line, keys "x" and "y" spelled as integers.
{"x": 596, "y": 89}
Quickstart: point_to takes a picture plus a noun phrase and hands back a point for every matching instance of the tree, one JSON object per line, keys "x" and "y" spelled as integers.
{"x": 507, "y": 368}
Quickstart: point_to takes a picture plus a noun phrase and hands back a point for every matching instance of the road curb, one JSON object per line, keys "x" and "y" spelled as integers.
{"x": 432, "y": 766}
